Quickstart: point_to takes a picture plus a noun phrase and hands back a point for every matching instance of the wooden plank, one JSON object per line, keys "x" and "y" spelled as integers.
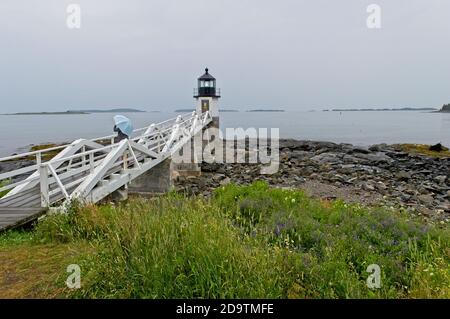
{"x": 5, "y": 201}
{"x": 22, "y": 200}
{"x": 32, "y": 197}
{"x": 10, "y": 218}
{"x": 15, "y": 209}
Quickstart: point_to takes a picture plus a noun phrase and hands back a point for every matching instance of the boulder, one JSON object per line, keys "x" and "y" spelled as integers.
{"x": 331, "y": 158}
{"x": 403, "y": 175}
{"x": 440, "y": 179}
{"x": 426, "y": 199}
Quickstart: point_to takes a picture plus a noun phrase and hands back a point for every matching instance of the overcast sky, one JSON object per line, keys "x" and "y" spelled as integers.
{"x": 288, "y": 54}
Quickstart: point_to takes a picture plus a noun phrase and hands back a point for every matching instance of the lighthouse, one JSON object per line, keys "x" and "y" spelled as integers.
{"x": 207, "y": 96}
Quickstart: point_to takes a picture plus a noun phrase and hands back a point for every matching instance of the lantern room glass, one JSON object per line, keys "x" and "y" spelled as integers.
{"x": 206, "y": 84}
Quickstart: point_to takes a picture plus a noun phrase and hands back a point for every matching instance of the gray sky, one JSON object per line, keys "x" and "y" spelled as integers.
{"x": 291, "y": 54}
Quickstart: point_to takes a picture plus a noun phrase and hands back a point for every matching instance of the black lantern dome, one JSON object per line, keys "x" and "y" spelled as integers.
{"x": 206, "y": 86}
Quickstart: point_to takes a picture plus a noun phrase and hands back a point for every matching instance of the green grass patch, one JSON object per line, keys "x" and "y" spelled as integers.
{"x": 246, "y": 242}
{"x": 47, "y": 155}
{"x": 2, "y": 184}
{"x": 424, "y": 149}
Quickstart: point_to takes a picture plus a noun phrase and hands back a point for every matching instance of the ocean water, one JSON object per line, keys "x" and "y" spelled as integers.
{"x": 360, "y": 128}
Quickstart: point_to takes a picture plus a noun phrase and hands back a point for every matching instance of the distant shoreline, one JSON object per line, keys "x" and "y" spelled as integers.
{"x": 257, "y": 110}
{"x": 48, "y": 113}
{"x": 118, "y": 110}
{"x": 79, "y": 112}
{"x": 384, "y": 109}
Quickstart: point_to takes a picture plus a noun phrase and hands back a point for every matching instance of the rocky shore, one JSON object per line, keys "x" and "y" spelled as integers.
{"x": 380, "y": 174}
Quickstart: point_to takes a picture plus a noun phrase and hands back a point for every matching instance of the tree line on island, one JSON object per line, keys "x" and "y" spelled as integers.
{"x": 445, "y": 108}
{"x": 78, "y": 112}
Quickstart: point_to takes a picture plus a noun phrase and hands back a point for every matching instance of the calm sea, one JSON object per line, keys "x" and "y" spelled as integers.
{"x": 361, "y": 128}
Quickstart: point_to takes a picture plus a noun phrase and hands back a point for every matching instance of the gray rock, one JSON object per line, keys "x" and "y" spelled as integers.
{"x": 218, "y": 177}
{"x": 351, "y": 160}
{"x": 405, "y": 197}
{"x": 426, "y": 199}
{"x": 225, "y": 181}
{"x": 440, "y": 179}
{"x": 300, "y": 155}
{"x": 368, "y": 187}
{"x": 347, "y": 169}
{"x": 314, "y": 176}
{"x": 377, "y": 157}
{"x": 403, "y": 176}
{"x": 358, "y": 149}
{"x": 410, "y": 191}
{"x": 378, "y": 147}
{"x": 326, "y": 158}
{"x": 381, "y": 186}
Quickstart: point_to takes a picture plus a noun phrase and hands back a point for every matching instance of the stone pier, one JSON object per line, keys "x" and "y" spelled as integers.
{"x": 158, "y": 180}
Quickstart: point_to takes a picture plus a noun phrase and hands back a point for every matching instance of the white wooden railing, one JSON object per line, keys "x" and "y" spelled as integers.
{"x": 89, "y": 170}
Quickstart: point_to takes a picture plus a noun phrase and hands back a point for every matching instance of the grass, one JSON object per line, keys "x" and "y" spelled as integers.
{"x": 45, "y": 156}
{"x": 2, "y": 184}
{"x": 246, "y": 242}
{"x": 424, "y": 149}
{"x": 29, "y": 269}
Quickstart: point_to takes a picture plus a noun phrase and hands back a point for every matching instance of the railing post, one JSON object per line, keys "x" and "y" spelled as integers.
{"x": 83, "y": 158}
{"x": 38, "y": 158}
{"x": 43, "y": 176}
{"x": 159, "y": 142}
{"x": 91, "y": 162}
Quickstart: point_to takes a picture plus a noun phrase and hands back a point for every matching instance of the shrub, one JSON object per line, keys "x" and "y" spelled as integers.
{"x": 252, "y": 242}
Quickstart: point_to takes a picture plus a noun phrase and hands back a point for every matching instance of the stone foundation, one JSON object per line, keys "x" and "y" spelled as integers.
{"x": 157, "y": 180}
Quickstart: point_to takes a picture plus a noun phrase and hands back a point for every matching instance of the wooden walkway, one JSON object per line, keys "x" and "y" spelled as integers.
{"x": 89, "y": 170}
{"x": 15, "y": 217}
{"x": 22, "y": 208}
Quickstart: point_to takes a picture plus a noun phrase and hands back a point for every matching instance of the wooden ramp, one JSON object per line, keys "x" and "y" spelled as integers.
{"x": 20, "y": 209}
{"x": 15, "y": 217}
{"x": 89, "y": 170}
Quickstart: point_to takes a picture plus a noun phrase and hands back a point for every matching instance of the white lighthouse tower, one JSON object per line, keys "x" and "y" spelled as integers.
{"x": 207, "y": 96}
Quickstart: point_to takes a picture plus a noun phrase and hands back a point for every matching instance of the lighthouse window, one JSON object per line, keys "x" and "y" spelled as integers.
{"x": 206, "y": 84}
